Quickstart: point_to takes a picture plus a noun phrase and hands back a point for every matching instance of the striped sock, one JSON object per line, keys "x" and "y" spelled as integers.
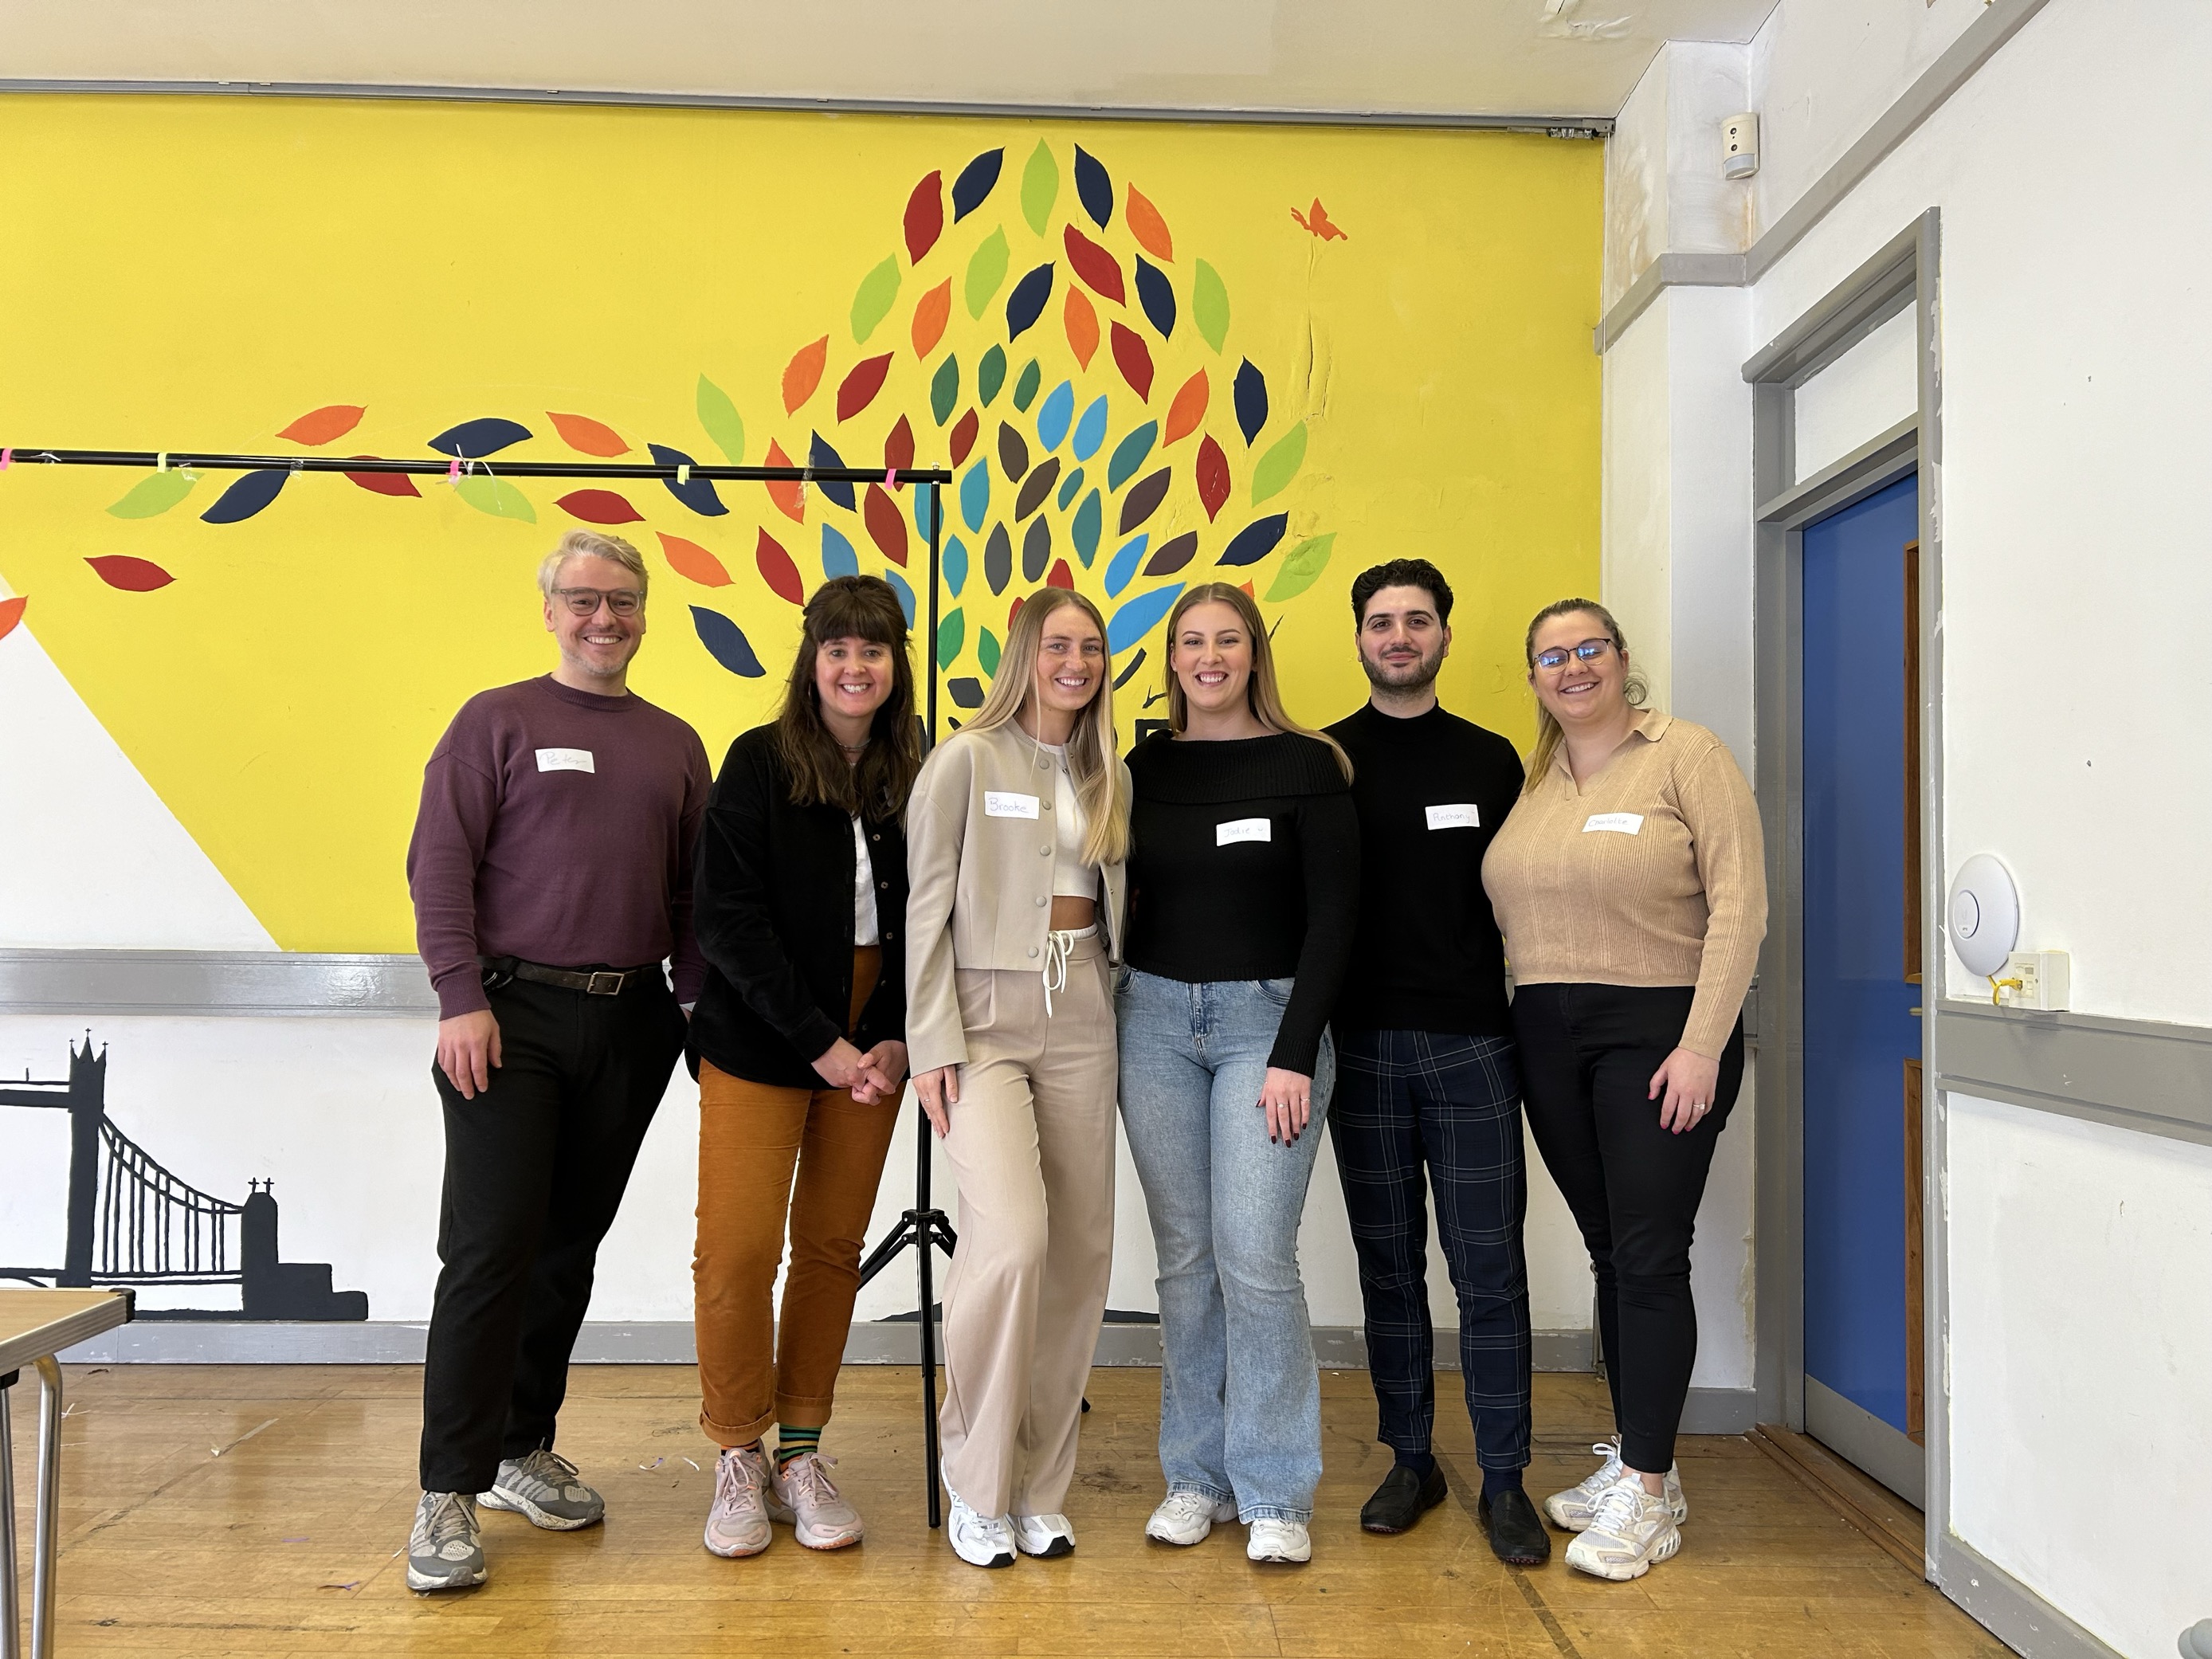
{"x": 791, "y": 1442}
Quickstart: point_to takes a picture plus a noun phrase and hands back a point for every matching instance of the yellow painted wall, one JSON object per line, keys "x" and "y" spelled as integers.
{"x": 201, "y": 271}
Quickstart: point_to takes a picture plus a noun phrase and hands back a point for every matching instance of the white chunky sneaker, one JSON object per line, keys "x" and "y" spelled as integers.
{"x": 544, "y": 1487}
{"x": 1570, "y": 1510}
{"x": 979, "y": 1540}
{"x": 1047, "y": 1535}
{"x": 1630, "y": 1532}
{"x": 1187, "y": 1516}
{"x": 1275, "y": 1540}
{"x": 738, "y": 1525}
{"x": 802, "y": 1493}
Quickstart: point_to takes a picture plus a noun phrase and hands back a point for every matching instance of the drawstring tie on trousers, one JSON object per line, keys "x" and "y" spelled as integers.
{"x": 1058, "y": 946}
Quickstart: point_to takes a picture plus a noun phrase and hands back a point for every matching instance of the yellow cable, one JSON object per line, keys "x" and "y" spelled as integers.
{"x": 1997, "y": 988}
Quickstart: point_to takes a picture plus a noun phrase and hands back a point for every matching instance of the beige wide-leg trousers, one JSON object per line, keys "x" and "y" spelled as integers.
{"x": 1032, "y": 1144}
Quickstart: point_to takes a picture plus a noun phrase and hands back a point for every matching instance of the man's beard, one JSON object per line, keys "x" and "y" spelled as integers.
{"x": 1416, "y": 676}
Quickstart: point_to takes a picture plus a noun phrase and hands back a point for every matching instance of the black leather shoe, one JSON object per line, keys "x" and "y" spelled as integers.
{"x": 1517, "y": 1532}
{"x": 1403, "y": 1499}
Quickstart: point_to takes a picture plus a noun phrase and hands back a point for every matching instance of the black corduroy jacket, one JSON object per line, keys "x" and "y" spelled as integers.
{"x": 773, "y": 910}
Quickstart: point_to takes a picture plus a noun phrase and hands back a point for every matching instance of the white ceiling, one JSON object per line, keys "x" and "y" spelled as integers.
{"x": 1422, "y": 57}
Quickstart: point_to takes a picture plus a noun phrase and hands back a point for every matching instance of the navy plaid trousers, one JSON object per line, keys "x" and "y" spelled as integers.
{"x": 1407, "y": 1100}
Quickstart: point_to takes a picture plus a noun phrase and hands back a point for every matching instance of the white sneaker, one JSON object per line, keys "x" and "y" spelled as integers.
{"x": 802, "y": 1493}
{"x": 1275, "y": 1540}
{"x": 1187, "y": 1516}
{"x": 1570, "y": 1510}
{"x": 979, "y": 1540}
{"x": 1046, "y": 1535}
{"x": 737, "y": 1524}
{"x": 1631, "y": 1531}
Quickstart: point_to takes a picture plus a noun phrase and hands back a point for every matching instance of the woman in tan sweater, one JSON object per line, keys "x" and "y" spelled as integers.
{"x": 1629, "y": 884}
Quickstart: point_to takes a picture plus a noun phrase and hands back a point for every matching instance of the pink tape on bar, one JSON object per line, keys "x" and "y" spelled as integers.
{"x": 7, "y": 459}
{"x": 890, "y": 477}
{"x": 454, "y": 470}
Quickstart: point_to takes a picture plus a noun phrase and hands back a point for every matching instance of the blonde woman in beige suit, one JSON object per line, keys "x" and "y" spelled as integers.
{"x": 1629, "y": 884}
{"x": 1016, "y": 835}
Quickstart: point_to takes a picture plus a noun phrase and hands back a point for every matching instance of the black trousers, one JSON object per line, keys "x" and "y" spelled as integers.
{"x": 1587, "y": 1055}
{"x": 1411, "y": 1101}
{"x": 535, "y": 1168}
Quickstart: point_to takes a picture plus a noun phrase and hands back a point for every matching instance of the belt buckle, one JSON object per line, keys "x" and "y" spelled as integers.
{"x": 604, "y": 984}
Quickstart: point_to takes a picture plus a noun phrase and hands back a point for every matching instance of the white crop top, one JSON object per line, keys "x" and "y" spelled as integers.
{"x": 1071, "y": 876}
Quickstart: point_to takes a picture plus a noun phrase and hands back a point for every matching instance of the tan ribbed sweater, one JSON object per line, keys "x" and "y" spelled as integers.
{"x": 1651, "y": 871}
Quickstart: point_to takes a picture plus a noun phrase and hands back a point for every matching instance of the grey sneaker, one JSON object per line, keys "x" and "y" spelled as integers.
{"x": 445, "y": 1550}
{"x": 738, "y": 1523}
{"x": 545, "y": 1487}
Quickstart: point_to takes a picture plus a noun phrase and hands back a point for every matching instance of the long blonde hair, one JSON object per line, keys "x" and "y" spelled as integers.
{"x": 1262, "y": 693}
{"x": 1091, "y": 759}
{"x": 1548, "y": 729}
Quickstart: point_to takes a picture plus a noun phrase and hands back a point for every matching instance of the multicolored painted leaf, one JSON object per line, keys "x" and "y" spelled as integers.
{"x": 1187, "y": 411}
{"x": 886, "y": 524}
{"x": 694, "y": 563}
{"x": 1251, "y": 395}
{"x": 1129, "y": 454}
{"x": 1093, "y": 188}
{"x": 11, "y": 612}
{"x": 838, "y": 557}
{"x": 727, "y": 643}
{"x": 898, "y": 585}
{"x": 1081, "y": 322}
{"x": 321, "y": 426}
{"x": 966, "y": 692}
{"x": 1026, "y": 384}
{"x": 777, "y": 569}
{"x": 1036, "y": 549}
{"x": 1135, "y": 358}
{"x": 1255, "y": 540}
{"x": 873, "y": 300}
{"x": 998, "y": 570}
{"x": 931, "y": 312}
{"x": 720, "y": 419}
{"x": 1040, "y": 187}
{"x": 471, "y": 441}
{"x": 1089, "y": 524}
{"x": 1027, "y": 302}
{"x": 589, "y": 437}
{"x": 1122, "y": 567}
{"x": 251, "y": 493}
{"x": 925, "y": 511}
{"x": 156, "y": 493}
{"x": 1209, "y": 304}
{"x": 1014, "y": 454}
{"x": 820, "y": 453}
{"x": 987, "y": 651}
{"x": 1036, "y": 487}
{"x": 1060, "y": 575}
{"x": 1303, "y": 568}
{"x": 944, "y": 390}
{"x": 861, "y": 383}
{"x": 382, "y": 483}
{"x": 1094, "y": 265}
{"x": 495, "y": 496}
{"x": 804, "y": 373}
{"x": 1055, "y": 415}
{"x": 1148, "y": 228}
{"x": 120, "y": 570}
{"x": 1069, "y": 486}
{"x": 1275, "y": 468}
{"x": 1091, "y": 430}
{"x": 954, "y": 565}
{"x": 898, "y": 447}
{"x": 1156, "y": 296}
{"x": 975, "y": 182}
{"x": 697, "y": 494}
{"x": 788, "y": 495}
{"x": 598, "y": 507}
{"x": 1212, "y": 477}
{"x": 986, "y": 269}
{"x": 1139, "y": 616}
{"x": 924, "y": 221}
{"x": 1173, "y": 555}
{"x": 975, "y": 497}
{"x": 990, "y": 375}
{"x": 964, "y": 436}
{"x": 951, "y": 636}
{"x": 1144, "y": 499}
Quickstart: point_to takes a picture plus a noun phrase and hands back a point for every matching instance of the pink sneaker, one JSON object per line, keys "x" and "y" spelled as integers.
{"x": 738, "y": 1523}
{"x": 802, "y": 1493}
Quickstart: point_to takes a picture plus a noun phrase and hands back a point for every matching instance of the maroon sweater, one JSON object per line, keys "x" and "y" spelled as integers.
{"x": 557, "y": 826}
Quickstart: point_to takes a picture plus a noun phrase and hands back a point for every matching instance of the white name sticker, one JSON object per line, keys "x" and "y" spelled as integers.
{"x": 1620, "y": 824}
{"x": 1005, "y": 803}
{"x": 1238, "y": 829}
{"x": 565, "y": 760}
{"x": 1461, "y": 815}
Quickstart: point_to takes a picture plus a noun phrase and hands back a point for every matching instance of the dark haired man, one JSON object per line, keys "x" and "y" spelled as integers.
{"x": 1425, "y": 1064}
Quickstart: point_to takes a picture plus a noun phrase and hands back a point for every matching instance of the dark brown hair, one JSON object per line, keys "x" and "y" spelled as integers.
{"x": 851, "y": 607}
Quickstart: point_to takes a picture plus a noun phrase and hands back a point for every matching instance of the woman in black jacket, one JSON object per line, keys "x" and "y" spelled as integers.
{"x": 800, "y": 910}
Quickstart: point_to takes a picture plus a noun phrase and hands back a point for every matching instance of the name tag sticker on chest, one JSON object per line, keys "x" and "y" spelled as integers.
{"x": 1620, "y": 824}
{"x": 1005, "y": 803}
{"x": 565, "y": 760}
{"x": 1461, "y": 815}
{"x": 1237, "y": 830}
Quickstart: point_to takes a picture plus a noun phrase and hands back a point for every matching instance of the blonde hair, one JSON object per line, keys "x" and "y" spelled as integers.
{"x": 1091, "y": 759}
{"x": 1548, "y": 729}
{"x": 1262, "y": 694}
{"x": 589, "y": 543}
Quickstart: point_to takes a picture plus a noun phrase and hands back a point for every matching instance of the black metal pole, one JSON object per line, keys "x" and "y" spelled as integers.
{"x": 217, "y": 461}
{"x": 931, "y": 1218}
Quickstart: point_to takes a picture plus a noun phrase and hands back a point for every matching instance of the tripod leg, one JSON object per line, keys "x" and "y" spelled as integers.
{"x": 882, "y": 1256}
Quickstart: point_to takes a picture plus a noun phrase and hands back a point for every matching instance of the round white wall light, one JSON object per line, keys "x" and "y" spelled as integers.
{"x": 1983, "y": 915}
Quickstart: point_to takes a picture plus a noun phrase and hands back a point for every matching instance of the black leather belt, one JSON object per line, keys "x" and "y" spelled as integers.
{"x": 599, "y": 982}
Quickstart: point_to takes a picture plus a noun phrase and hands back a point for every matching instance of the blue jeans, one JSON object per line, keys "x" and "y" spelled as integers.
{"x": 1240, "y": 1394}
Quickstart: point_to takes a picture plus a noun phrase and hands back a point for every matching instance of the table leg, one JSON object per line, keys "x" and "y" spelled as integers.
{"x": 46, "y": 1541}
{"x": 10, "y": 1613}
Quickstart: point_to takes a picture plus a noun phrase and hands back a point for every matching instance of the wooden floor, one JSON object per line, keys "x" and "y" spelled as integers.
{"x": 258, "y": 1509}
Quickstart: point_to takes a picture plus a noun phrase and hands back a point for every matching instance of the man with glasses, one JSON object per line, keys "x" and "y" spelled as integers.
{"x": 551, "y": 873}
{"x": 1426, "y": 1082}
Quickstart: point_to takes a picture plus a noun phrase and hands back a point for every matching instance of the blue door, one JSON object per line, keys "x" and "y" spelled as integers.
{"x": 1861, "y": 1025}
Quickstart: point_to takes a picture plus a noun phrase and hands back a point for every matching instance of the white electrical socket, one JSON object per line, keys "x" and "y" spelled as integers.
{"x": 2046, "y": 980}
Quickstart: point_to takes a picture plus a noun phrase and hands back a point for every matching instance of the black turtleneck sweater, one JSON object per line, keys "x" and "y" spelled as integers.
{"x": 1244, "y": 864}
{"x": 1431, "y": 792}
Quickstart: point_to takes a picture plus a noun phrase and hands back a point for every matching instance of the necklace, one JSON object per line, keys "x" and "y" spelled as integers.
{"x": 854, "y": 747}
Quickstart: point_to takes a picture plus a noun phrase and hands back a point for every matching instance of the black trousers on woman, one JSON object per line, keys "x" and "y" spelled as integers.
{"x": 1587, "y": 1055}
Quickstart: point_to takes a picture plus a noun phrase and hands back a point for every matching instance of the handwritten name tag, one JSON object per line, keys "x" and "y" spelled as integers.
{"x": 565, "y": 760}
{"x": 1238, "y": 829}
{"x": 1005, "y": 803}
{"x": 1461, "y": 815}
{"x": 1620, "y": 824}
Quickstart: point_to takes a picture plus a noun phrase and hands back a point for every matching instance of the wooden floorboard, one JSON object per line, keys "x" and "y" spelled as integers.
{"x": 1892, "y": 1523}
{"x": 212, "y": 1510}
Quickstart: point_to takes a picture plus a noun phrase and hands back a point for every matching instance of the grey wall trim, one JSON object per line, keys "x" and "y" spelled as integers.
{"x": 1872, "y": 467}
{"x": 1845, "y": 1427}
{"x": 1876, "y": 291}
{"x": 1558, "y": 126}
{"x": 241, "y": 983}
{"x": 2136, "y": 1073}
{"x": 1975, "y": 46}
{"x": 2020, "y": 1618}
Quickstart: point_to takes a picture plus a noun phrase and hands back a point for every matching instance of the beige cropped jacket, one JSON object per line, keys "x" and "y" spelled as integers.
{"x": 980, "y": 891}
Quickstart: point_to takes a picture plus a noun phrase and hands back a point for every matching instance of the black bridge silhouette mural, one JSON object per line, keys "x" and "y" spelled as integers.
{"x": 132, "y": 1221}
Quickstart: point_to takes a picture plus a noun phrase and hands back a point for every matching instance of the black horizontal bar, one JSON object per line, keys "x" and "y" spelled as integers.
{"x": 207, "y": 460}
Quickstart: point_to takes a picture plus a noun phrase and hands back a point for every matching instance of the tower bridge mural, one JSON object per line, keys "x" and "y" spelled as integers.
{"x": 133, "y": 1222}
